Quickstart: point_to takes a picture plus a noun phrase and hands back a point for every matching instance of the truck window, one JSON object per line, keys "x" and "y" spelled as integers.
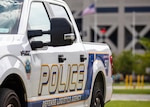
{"x": 59, "y": 11}
{"x": 10, "y": 11}
{"x": 39, "y": 20}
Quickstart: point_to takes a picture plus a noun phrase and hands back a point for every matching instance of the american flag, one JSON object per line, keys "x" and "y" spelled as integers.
{"x": 89, "y": 10}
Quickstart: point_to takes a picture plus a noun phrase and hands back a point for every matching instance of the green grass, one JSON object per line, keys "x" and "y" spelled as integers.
{"x": 131, "y": 91}
{"x": 128, "y": 104}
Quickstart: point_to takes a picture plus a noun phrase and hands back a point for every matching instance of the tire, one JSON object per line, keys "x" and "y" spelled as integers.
{"x": 8, "y": 98}
{"x": 97, "y": 98}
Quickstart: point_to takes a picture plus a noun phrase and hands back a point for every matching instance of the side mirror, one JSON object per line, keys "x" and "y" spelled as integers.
{"x": 36, "y": 33}
{"x": 36, "y": 44}
{"x": 61, "y": 32}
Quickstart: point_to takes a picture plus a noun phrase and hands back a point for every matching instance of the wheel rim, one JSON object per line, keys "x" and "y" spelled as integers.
{"x": 97, "y": 102}
{"x": 13, "y": 102}
{"x": 10, "y": 105}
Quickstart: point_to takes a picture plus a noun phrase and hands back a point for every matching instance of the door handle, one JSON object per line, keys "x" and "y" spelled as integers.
{"x": 61, "y": 58}
{"x": 82, "y": 58}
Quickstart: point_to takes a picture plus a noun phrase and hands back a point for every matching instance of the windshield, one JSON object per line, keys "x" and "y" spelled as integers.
{"x": 9, "y": 16}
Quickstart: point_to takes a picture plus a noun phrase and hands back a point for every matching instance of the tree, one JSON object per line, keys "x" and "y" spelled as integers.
{"x": 145, "y": 58}
{"x": 124, "y": 63}
{"x": 146, "y": 43}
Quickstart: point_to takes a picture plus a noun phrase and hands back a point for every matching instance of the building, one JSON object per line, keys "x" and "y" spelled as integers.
{"x": 119, "y": 23}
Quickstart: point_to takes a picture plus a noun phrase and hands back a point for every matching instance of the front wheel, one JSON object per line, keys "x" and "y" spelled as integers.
{"x": 8, "y": 98}
{"x": 97, "y": 98}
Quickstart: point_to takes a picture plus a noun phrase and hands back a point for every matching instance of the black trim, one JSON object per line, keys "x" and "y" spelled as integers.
{"x": 137, "y": 9}
{"x": 107, "y": 10}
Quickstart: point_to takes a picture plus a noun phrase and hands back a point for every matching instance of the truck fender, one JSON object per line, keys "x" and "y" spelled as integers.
{"x": 10, "y": 65}
{"x": 98, "y": 67}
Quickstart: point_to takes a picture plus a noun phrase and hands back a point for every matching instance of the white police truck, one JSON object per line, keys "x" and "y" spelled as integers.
{"x": 43, "y": 62}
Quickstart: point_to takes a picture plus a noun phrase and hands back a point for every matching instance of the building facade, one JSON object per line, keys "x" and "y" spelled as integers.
{"x": 119, "y": 23}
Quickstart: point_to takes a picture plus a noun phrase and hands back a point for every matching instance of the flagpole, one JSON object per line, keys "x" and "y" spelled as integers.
{"x": 133, "y": 33}
{"x": 95, "y": 22}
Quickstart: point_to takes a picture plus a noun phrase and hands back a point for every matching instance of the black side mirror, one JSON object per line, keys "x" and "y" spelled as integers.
{"x": 61, "y": 32}
{"x": 36, "y": 33}
{"x": 36, "y": 44}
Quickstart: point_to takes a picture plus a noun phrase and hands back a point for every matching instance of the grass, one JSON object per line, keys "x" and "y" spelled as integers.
{"x": 128, "y": 104}
{"x": 131, "y": 91}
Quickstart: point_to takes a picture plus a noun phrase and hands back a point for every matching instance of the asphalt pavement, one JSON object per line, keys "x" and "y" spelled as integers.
{"x": 131, "y": 97}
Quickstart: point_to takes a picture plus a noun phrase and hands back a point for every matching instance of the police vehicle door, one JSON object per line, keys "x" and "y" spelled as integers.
{"x": 58, "y": 72}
